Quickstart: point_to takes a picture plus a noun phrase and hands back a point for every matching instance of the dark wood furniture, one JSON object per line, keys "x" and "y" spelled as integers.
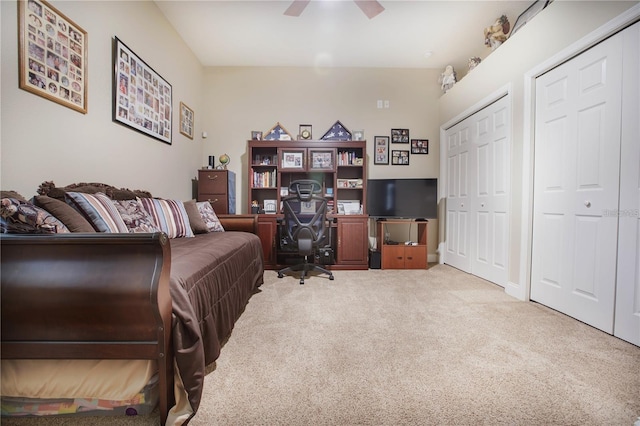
{"x": 400, "y": 255}
{"x": 218, "y": 188}
{"x": 339, "y": 166}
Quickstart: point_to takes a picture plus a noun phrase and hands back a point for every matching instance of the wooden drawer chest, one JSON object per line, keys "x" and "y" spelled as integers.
{"x": 219, "y": 188}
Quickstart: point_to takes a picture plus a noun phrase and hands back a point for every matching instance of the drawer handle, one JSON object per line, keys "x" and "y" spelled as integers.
{"x": 212, "y": 201}
{"x": 214, "y": 177}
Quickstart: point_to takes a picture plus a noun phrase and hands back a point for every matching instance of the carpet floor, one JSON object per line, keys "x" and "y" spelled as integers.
{"x": 420, "y": 347}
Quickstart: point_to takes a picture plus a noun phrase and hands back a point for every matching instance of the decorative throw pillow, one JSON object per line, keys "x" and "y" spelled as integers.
{"x": 17, "y": 216}
{"x": 169, "y": 216}
{"x": 195, "y": 219}
{"x": 64, "y": 212}
{"x": 209, "y": 216}
{"x": 135, "y": 216}
{"x": 99, "y": 210}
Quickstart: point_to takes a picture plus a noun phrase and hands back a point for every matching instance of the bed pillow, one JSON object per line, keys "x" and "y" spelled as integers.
{"x": 64, "y": 212}
{"x": 195, "y": 220}
{"x": 169, "y": 216}
{"x": 209, "y": 216}
{"x": 18, "y": 216}
{"x": 135, "y": 216}
{"x": 99, "y": 210}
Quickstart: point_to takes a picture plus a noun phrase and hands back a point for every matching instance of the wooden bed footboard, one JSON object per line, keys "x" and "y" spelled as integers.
{"x": 88, "y": 296}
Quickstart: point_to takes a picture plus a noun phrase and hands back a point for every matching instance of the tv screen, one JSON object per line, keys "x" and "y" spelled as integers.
{"x": 402, "y": 198}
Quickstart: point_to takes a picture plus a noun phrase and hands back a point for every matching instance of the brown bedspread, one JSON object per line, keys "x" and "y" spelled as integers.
{"x": 212, "y": 278}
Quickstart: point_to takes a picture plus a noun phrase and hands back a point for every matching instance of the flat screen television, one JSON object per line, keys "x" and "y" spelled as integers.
{"x": 402, "y": 198}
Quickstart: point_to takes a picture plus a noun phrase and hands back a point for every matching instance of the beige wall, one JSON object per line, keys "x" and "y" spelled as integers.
{"x": 557, "y": 27}
{"x": 42, "y": 140}
{"x": 239, "y": 100}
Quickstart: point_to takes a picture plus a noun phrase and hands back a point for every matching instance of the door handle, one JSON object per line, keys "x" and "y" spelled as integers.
{"x": 587, "y": 203}
{"x": 214, "y": 177}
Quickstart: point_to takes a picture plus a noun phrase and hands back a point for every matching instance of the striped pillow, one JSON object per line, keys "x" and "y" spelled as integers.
{"x": 169, "y": 216}
{"x": 99, "y": 210}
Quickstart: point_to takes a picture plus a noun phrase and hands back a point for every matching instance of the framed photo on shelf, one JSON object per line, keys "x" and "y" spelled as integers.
{"x": 381, "y": 148}
{"x": 52, "y": 55}
{"x": 269, "y": 206}
{"x": 400, "y": 157}
{"x": 322, "y": 160}
{"x": 142, "y": 99}
{"x": 419, "y": 146}
{"x": 358, "y": 135}
{"x": 399, "y": 135}
{"x": 292, "y": 160}
{"x": 186, "y": 120}
{"x": 256, "y": 135}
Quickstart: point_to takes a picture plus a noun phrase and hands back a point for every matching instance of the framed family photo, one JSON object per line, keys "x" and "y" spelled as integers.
{"x": 419, "y": 146}
{"x": 52, "y": 55}
{"x": 400, "y": 157}
{"x": 142, "y": 99}
{"x": 400, "y": 135}
{"x": 381, "y": 148}
{"x": 186, "y": 120}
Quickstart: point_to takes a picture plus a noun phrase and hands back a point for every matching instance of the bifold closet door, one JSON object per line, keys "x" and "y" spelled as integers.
{"x": 627, "y": 311}
{"x": 477, "y": 221}
{"x": 458, "y": 202}
{"x": 576, "y": 182}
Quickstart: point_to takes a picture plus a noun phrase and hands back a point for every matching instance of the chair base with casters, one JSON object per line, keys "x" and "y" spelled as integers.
{"x": 304, "y": 268}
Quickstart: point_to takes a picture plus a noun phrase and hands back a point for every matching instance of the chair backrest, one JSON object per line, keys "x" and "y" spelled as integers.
{"x": 305, "y": 216}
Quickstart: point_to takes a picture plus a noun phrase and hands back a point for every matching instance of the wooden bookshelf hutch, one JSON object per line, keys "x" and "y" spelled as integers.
{"x": 339, "y": 166}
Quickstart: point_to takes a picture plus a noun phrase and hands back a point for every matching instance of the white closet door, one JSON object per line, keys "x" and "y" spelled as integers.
{"x": 627, "y": 316}
{"x": 457, "y": 235}
{"x": 577, "y": 162}
{"x": 490, "y": 200}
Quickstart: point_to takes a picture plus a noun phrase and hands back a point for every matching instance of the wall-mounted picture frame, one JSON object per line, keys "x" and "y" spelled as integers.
{"x": 186, "y": 120}
{"x": 419, "y": 146}
{"x": 528, "y": 14}
{"x": 381, "y": 150}
{"x": 142, "y": 99}
{"x": 399, "y": 135}
{"x": 256, "y": 135}
{"x": 305, "y": 132}
{"x": 52, "y": 55}
{"x": 400, "y": 157}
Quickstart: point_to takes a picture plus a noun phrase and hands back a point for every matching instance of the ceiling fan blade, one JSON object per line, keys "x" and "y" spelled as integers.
{"x": 371, "y": 8}
{"x": 296, "y": 7}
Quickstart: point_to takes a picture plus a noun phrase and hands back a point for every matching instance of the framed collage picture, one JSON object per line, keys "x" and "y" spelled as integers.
{"x": 52, "y": 55}
{"x": 419, "y": 146}
{"x": 142, "y": 99}
{"x": 400, "y": 157}
{"x": 400, "y": 135}
{"x": 381, "y": 146}
{"x": 186, "y": 121}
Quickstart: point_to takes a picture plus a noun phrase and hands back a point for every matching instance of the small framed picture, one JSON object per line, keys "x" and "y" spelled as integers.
{"x": 186, "y": 120}
{"x": 358, "y": 135}
{"x": 399, "y": 135}
{"x": 256, "y": 135}
{"x": 381, "y": 149}
{"x": 419, "y": 146}
{"x": 400, "y": 157}
{"x": 305, "y": 132}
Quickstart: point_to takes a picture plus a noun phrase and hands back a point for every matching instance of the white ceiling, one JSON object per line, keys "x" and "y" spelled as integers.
{"x": 336, "y": 33}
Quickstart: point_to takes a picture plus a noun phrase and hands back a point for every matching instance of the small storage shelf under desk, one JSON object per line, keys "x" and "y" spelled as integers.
{"x": 401, "y": 255}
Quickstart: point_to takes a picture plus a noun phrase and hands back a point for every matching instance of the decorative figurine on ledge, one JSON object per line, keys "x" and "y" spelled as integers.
{"x": 473, "y": 62}
{"x": 447, "y": 78}
{"x": 496, "y": 34}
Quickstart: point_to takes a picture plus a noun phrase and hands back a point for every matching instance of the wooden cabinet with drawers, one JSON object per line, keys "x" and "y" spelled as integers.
{"x": 219, "y": 188}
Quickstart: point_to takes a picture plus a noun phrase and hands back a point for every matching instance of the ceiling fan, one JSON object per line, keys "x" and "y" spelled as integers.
{"x": 371, "y": 8}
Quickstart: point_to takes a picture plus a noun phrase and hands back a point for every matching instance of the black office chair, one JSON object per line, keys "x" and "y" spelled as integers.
{"x": 305, "y": 228}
